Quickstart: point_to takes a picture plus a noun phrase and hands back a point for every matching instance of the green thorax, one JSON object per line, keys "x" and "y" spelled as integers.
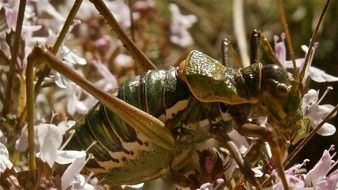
{"x": 210, "y": 81}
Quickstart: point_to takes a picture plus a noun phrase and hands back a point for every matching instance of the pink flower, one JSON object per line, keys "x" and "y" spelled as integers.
{"x": 318, "y": 178}
{"x": 179, "y": 27}
{"x": 312, "y": 72}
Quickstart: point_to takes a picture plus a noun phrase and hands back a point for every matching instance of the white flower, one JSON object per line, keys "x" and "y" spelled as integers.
{"x": 50, "y": 139}
{"x": 69, "y": 56}
{"x": 135, "y": 186}
{"x": 179, "y": 27}
{"x": 72, "y": 94}
{"x": 69, "y": 176}
{"x": 43, "y": 6}
{"x": 316, "y": 112}
{"x": 21, "y": 144}
{"x": 4, "y": 158}
{"x": 3, "y": 139}
{"x": 108, "y": 82}
{"x": 312, "y": 72}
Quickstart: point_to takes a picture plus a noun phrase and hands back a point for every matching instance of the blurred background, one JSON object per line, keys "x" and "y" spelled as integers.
{"x": 166, "y": 31}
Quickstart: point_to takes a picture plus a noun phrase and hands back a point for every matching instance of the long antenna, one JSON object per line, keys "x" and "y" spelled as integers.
{"x": 313, "y": 40}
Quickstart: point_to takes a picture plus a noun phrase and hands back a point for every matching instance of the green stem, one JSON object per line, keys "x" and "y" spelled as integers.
{"x": 30, "y": 117}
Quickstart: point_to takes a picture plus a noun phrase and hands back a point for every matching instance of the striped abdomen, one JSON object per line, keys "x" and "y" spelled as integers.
{"x": 122, "y": 155}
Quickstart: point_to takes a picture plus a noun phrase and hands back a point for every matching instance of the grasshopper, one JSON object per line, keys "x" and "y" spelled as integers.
{"x": 151, "y": 127}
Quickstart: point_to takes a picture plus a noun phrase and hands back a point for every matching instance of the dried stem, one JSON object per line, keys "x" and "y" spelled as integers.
{"x": 14, "y": 54}
{"x": 30, "y": 90}
{"x": 313, "y": 40}
{"x": 288, "y": 39}
{"x": 57, "y": 45}
{"x": 61, "y": 37}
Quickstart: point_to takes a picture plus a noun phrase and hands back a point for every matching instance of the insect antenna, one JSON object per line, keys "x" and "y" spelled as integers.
{"x": 229, "y": 55}
{"x": 140, "y": 57}
{"x": 132, "y": 26}
{"x": 255, "y": 46}
{"x": 313, "y": 40}
{"x": 310, "y": 136}
{"x": 268, "y": 50}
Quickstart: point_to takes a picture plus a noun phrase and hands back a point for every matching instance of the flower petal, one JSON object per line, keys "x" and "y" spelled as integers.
{"x": 327, "y": 130}
{"x": 4, "y": 158}
{"x": 179, "y": 26}
{"x": 319, "y": 75}
{"x": 50, "y": 139}
{"x": 68, "y": 156}
{"x": 68, "y": 176}
{"x": 328, "y": 182}
{"x": 311, "y": 97}
{"x": 319, "y": 170}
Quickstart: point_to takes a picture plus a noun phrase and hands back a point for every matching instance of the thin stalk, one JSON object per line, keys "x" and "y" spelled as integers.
{"x": 313, "y": 40}
{"x": 288, "y": 39}
{"x": 61, "y": 37}
{"x": 30, "y": 90}
{"x": 140, "y": 57}
{"x": 14, "y": 54}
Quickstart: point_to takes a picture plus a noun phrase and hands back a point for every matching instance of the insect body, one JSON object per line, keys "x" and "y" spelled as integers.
{"x": 200, "y": 89}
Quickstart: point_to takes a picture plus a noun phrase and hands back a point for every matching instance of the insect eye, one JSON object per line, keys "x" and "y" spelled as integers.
{"x": 282, "y": 89}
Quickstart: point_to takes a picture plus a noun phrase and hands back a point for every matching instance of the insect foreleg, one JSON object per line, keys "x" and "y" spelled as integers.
{"x": 250, "y": 129}
{"x": 243, "y": 165}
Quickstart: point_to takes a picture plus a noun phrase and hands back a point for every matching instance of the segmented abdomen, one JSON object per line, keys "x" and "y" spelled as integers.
{"x": 119, "y": 147}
